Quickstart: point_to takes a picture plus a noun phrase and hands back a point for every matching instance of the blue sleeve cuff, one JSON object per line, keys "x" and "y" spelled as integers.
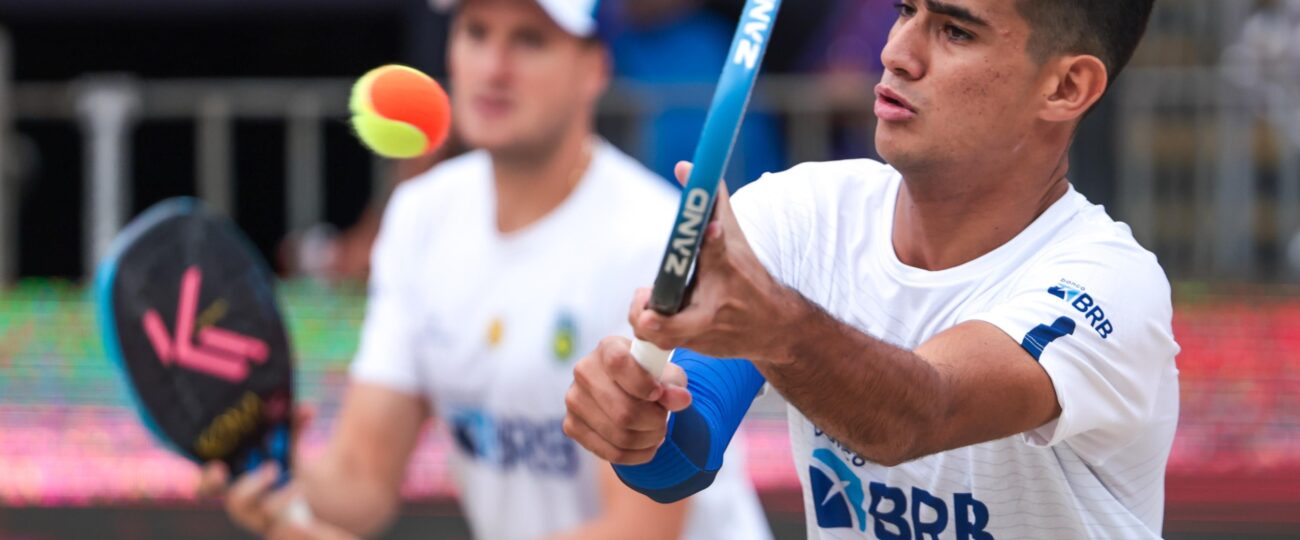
{"x": 691, "y": 456}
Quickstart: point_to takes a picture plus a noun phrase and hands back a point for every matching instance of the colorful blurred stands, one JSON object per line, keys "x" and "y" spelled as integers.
{"x": 1236, "y": 459}
{"x": 68, "y": 435}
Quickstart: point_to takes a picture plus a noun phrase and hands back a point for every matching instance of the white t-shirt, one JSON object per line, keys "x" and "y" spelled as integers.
{"x": 1075, "y": 289}
{"x": 487, "y": 328}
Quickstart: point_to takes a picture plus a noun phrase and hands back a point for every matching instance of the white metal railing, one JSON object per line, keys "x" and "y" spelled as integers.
{"x": 110, "y": 106}
{"x": 8, "y": 187}
{"x": 1190, "y": 182}
{"x": 1191, "y": 177}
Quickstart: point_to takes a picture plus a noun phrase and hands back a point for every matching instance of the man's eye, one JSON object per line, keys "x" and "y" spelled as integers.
{"x": 957, "y": 34}
{"x": 531, "y": 40}
{"x": 905, "y": 10}
{"x": 476, "y": 31}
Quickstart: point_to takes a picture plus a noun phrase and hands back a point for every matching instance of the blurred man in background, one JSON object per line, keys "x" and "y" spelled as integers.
{"x": 490, "y": 273}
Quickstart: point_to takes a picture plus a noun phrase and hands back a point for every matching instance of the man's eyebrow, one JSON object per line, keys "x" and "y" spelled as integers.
{"x": 957, "y": 12}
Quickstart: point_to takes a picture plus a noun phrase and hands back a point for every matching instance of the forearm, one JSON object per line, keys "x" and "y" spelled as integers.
{"x": 628, "y": 515}
{"x": 592, "y": 530}
{"x": 606, "y": 528}
{"x": 877, "y": 399}
{"x": 341, "y": 495}
{"x": 356, "y": 484}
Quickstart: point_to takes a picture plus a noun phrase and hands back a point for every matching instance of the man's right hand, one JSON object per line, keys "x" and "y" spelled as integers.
{"x": 253, "y": 501}
{"x": 616, "y": 409}
{"x": 355, "y": 485}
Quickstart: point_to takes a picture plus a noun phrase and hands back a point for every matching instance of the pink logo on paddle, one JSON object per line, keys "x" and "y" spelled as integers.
{"x": 219, "y": 353}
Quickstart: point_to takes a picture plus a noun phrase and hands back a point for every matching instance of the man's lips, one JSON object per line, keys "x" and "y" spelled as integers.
{"x": 888, "y": 94}
{"x": 892, "y": 107}
{"x": 492, "y": 105}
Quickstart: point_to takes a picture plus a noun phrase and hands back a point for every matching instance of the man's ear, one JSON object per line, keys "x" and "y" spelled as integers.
{"x": 1073, "y": 86}
{"x": 601, "y": 72}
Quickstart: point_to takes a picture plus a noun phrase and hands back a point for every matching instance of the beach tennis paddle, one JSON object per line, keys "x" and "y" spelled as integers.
{"x": 189, "y": 315}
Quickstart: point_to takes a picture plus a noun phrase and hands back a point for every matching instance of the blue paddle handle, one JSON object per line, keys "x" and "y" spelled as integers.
{"x": 698, "y": 437}
{"x": 276, "y": 446}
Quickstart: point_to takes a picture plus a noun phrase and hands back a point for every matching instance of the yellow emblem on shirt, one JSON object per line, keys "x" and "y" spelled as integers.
{"x": 496, "y": 332}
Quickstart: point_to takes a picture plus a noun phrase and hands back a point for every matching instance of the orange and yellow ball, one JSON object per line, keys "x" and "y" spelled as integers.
{"x": 399, "y": 112}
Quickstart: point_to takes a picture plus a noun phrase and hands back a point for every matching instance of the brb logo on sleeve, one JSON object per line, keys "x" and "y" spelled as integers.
{"x": 1084, "y": 303}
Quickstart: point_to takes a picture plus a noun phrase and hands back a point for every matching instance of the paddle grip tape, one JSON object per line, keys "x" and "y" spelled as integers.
{"x": 691, "y": 455}
{"x": 276, "y": 448}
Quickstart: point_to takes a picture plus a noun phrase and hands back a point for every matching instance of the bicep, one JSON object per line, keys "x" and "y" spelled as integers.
{"x": 993, "y": 387}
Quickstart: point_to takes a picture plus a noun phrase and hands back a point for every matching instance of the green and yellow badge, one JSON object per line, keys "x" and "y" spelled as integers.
{"x": 566, "y": 337}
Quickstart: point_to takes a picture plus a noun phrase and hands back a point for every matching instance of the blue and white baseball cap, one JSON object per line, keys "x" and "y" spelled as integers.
{"x": 577, "y": 17}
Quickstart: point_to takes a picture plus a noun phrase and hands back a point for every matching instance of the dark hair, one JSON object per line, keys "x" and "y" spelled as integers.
{"x": 1107, "y": 29}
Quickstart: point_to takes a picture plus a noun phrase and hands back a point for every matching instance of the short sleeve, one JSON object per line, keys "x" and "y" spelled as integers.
{"x": 773, "y": 213}
{"x": 387, "y": 355}
{"x": 1097, "y": 316}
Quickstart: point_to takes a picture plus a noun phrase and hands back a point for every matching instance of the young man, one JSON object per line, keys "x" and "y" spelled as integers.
{"x": 491, "y": 274}
{"x": 970, "y": 349}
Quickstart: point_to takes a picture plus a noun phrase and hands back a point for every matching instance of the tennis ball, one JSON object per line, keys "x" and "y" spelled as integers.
{"x": 399, "y": 112}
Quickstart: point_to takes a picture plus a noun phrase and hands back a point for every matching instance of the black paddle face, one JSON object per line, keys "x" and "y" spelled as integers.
{"x": 190, "y": 314}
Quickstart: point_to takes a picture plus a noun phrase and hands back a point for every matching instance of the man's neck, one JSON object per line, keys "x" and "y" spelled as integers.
{"x": 528, "y": 187}
{"x": 944, "y": 219}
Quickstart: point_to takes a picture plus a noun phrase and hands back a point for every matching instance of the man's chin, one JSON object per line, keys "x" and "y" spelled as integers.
{"x": 890, "y": 147}
{"x": 903, "y": 155}
{"x": 492, "y": 140}
{"x": 510, "y": 146}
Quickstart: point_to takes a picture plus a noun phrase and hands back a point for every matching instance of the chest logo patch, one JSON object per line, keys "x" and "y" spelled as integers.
{"x": 845, "y": 500}
{"x": 565, "y": 339}
{"x": 837, "y": 492}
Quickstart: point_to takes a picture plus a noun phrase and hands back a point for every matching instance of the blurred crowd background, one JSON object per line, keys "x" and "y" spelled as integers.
{"x": 107, "y": 106}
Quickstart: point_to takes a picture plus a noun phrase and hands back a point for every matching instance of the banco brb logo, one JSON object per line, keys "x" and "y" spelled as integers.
{"x": 837, "y": 493}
